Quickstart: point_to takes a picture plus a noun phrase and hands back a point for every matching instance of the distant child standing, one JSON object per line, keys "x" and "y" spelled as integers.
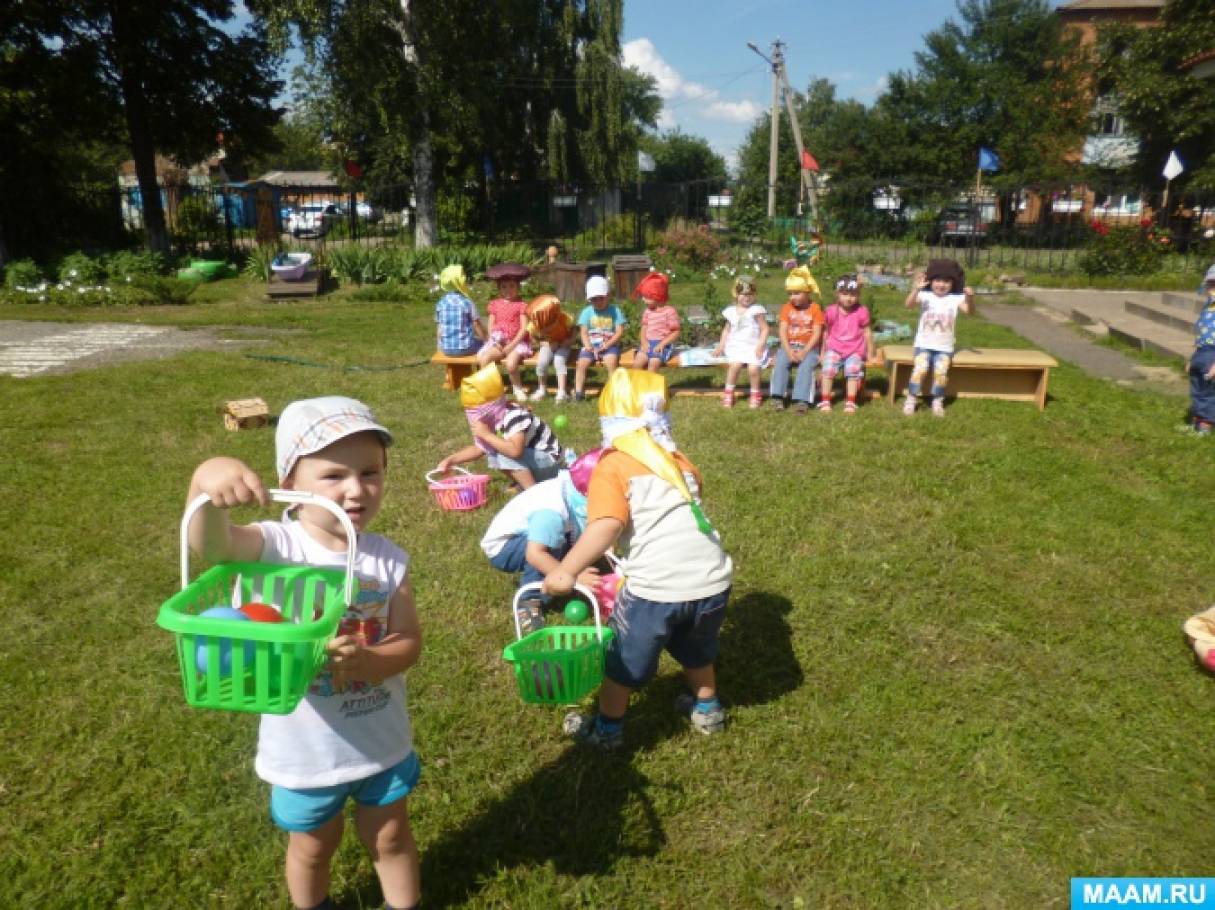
{"x": 801, "y": 332}
{"x": 1202, "y": 364}
{"x": 848, "y": 342}
{"x": 508, "y": 339}
{"x": 940, "y": 294}
{"x": 459, "y": 324}
{"x": 601, "y": 325}
{"x": 553, "y": 330}
{"x": 744, "y": 340}
{"x": 659, "y": 323}
{"x": 515, "y": 440}
{"x": 350, "y": 738}
{"x": 646, "y": 494}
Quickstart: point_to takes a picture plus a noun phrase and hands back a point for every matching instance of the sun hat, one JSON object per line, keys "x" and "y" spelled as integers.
{"x": 311, "y": 424}
{"x": 597, "y": 286}
{"x": 452, "y": 279}
{"x": 654, "y": 286}
{"x": 800, "y": 281}
{"x": 511, "y": 270}
{"x": 482, "y": 387}
{"x": 744, "y": 284}
{"x": 948, "y": 269}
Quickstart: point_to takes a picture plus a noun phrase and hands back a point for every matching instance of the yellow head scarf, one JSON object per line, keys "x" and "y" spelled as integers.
{"x": 482, "y": 387}
{"x": 632, "y": 416}
{"x": 452, "y": 279}
{"x": 800, "y": 279}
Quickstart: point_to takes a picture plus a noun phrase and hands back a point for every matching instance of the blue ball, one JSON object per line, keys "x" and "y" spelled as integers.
{"x": 225, "y": 644}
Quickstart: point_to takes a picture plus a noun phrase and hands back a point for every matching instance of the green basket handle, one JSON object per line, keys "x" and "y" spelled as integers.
{"x": 295, "y": 497}
{"x": 585, "y": 592}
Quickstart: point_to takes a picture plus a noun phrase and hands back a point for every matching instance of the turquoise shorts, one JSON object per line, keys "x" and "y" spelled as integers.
{"x": 307, "y": 810}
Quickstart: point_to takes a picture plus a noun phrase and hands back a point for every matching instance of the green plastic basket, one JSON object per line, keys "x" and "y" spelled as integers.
{"x": 257, "y": 667}
{"x": 558, "y": 665}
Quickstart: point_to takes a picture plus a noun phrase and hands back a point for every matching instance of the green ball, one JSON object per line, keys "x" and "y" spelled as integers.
{"x": 576, "y": 611}
{"x": 560, "y": 422}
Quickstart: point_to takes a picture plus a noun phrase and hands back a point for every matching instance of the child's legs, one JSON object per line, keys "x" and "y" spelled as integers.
{"x": 694, "y": 643}
{"x": 641, "y": 360}
{"x": 753, "y": 373}
{"x": 920, "y": 366}
{"x": 613, "y": 699}
{"x": 584, "y": 361}
{"x": 854, "y": 375}
{"x": 543, "y": 358}
{"x": 778, "y": 382}
{"x": 489, "y": 353}
{"x": 385, "y": 832}
{"x": 940, "y": 373}
{"x": 803, "y": 384}
{"x": 732, "y": 374}
{"x": 831, "y": 365}
{"x": 522, "y": 476}
{"x": 560, "y": 366}
{"x": 514, "y": 367}
{"x": 611, "y": 361}
{"x": 308, "y": 856}
{"x": 1202, "y": 390}
{"x": 702, "y": 681}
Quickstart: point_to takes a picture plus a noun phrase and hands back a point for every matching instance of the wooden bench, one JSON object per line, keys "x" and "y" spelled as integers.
{"x": 1006, "y": 373}
{"x": 457, "y": 368}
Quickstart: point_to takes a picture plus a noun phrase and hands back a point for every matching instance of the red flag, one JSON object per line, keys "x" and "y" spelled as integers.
{"x": 808, "y": 162}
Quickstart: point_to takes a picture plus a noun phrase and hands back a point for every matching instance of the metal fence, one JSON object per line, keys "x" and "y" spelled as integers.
{"x": 1041, "y": 227}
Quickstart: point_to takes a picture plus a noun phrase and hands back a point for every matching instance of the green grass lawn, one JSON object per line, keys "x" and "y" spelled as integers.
{"x": 953, "y": 662}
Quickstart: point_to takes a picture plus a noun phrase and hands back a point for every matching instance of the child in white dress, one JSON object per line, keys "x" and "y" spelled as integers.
{"x": 744, "y": 340}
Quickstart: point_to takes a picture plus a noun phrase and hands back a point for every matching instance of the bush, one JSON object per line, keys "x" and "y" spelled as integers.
{"x": 22, "y": 273}
{"x": 129, "y": 263}
{"x": 79, "y": 268}
{"x": 692, "y": 246}
{"x": 1115, "y": 250}
{"x": 197, "y": 218}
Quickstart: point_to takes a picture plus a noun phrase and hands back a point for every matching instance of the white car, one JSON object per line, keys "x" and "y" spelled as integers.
{"x": 366, "y": 211}
{"x": 314, "y": 218}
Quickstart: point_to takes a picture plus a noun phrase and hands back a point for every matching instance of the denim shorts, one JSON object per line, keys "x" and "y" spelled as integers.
{"x": 589, "y": 353}
{"x": 653, "y": 350}
{"x": 541, "y": 464}
{"x": 687, "y": 630}
{"x": 307, "y": 810}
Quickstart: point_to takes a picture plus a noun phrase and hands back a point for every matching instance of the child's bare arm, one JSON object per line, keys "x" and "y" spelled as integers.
{"x": 968, "y": 303}
{"x": 229, "y": 482}
{"x": 763, "y": 335}
{"x": 870, "y": 350}
{"x": 479, "y": 329}
{"x": 917, "y": 285}
{"x": 395, "y": 653}
{"x": 461, "y": 456}
{"x": 596, "y": 540}
{"x": 721, "y": 344}
{"x": 512, "y": 446}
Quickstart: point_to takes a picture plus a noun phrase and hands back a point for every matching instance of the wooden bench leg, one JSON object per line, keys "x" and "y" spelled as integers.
{"x": 455, "y": 374}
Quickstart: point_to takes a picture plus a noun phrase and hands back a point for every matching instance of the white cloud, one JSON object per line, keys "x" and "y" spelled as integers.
{"x": 677, "y": 92}
{"x": 873, "y": 90}
{"x": 733, "y": 111}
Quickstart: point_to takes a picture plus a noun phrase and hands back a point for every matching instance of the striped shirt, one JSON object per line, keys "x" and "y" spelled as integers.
{"x": 537, "y": 434}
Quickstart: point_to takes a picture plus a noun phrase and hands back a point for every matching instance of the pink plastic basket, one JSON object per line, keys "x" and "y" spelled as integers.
{"x": 461, "y": 492}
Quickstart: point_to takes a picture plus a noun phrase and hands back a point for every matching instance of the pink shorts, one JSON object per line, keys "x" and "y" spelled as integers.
{"x": 500, "y": 339}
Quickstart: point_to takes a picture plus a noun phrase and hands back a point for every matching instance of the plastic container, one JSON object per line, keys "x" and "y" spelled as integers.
{"x": 558, "y": 665}
{"x": 291, "y": 266}
{"x": 210, "y": 269}
{"x": 461, "y": 492}
{"x": 270, "y": 665}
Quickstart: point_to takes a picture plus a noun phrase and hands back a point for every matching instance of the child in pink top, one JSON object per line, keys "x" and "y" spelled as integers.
{"x": 848, "y": 342}
{"x": 659, "y": 324}
{"x": 508, "y": 338}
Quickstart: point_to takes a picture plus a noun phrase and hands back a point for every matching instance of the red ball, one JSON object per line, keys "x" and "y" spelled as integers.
{"x": 261, "y": 612}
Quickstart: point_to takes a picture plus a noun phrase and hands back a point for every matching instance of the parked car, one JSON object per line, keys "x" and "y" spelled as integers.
{"x": 314, "y": 218}
{"x": 958, "y": 225}
{"x": 367, "y": 212}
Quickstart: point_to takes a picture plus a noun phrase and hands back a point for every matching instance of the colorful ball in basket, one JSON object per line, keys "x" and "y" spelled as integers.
{"x": 461, "y": 492}
{"x": 576, "y": 611}
{"x": 259, "y": 612}
{"x": 225, "y": 644}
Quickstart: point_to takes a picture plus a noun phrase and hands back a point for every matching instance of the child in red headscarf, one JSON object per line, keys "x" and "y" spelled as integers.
{"x": 659, "y": 324}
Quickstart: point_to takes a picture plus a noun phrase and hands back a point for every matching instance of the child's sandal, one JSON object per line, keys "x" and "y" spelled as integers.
{"x": 727, "y": 398}
{"x": 824, "y": 406}
{"x": 756, "y": 400}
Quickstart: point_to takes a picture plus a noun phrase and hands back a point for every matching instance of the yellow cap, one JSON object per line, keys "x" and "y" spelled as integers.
{"x": 800, "y": 279}
{"x": 482, "y": 387}
{"x": 452, "y": 279}
{"x": 623, "y": 393}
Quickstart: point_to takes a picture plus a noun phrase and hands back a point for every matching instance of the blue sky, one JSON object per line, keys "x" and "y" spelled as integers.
{"x": 714, "y": 86}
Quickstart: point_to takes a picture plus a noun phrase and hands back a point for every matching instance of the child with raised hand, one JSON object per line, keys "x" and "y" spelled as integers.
{"x": 516, "y": 441}
{"x": 535, "y": 530}
{"x": 848, "y": 342}
{"x": 744, "y": 340}
{"x": 553, "y": 330}
{"x": 801, "y": 332}
{"x": 350, "y": 737}
{"x": 1202, "y": 364}
{"x": 659, "y": 323}
{"x": 508, "y": 338}
{"x": 646, "y": 494}
{"x": 459, "y": 324}
{"x": 940, "y": 293}
{"x": 601, "y": 324}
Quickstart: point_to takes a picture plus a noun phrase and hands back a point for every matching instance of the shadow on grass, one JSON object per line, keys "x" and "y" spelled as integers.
{"x": 584, "y": 810}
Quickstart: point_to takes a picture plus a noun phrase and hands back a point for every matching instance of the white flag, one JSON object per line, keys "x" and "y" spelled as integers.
{"x": 1172, "y": 167}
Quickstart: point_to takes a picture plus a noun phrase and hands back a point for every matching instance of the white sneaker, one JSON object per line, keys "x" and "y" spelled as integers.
{"x": 520, "y": 394}
{"x": 562, "y": 397}
{"x": 909, "y": 406}
{"x": 539, "y": 393}
{"x": 938, "y": 407}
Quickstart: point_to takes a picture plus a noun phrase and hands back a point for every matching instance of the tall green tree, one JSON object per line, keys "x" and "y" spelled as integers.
{"x": 679, "y": 158}
{"x": 1165, "y": 105}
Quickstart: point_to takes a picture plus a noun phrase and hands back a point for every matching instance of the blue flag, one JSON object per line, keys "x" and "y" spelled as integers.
{"x": 988, "y": 160}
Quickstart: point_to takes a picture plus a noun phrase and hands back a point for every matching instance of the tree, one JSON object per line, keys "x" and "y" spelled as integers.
{"x": 1164, "y": 105}
{"x": 679, "y": 158}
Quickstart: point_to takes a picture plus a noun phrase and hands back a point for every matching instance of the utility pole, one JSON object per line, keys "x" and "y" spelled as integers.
{"x": 776, "y": 61}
